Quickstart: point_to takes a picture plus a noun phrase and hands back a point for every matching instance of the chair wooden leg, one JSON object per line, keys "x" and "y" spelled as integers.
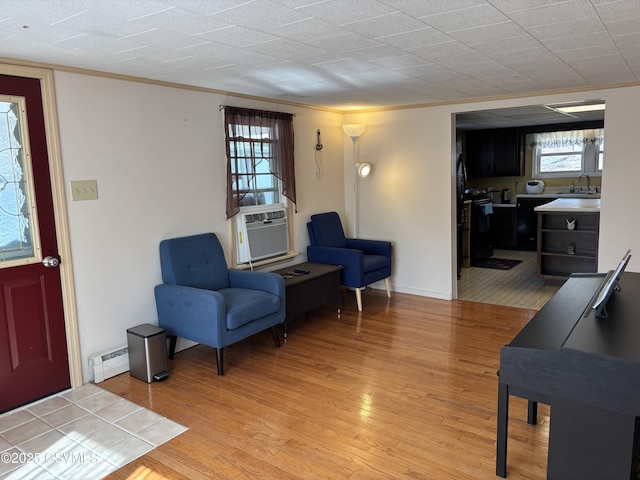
{"x": 387, "y": 284}
{"x": 172, "y": 345}
{"x": 275, "y": 337}
{"x": 219, "y": 361}
{"x": 359, "y": 299}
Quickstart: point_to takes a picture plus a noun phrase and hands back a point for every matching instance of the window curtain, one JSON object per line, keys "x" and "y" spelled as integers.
{"x": 281, "y": 125}
{"x": 568, "y": 138}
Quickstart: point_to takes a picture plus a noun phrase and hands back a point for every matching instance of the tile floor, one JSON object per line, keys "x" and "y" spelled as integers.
{"x": 82, "y": 433}
{"x": 518, "y": 287}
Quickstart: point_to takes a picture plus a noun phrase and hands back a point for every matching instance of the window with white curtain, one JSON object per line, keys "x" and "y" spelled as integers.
{"x": 567, "y": 153}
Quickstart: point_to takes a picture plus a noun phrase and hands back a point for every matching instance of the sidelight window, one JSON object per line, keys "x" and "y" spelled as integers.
{"x": 17, "y": 207}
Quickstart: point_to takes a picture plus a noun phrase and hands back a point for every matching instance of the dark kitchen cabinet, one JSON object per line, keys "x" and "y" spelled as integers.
{"x": 527, "y": 227}
{"x": 493, "y": 153}
{"x": 503, "y": 226}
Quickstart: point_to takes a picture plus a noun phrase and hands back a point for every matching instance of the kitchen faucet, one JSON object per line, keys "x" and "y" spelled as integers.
{"x": 588, "y": 180}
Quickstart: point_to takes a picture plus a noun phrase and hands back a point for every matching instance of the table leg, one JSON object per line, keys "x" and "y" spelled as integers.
{"x": 532, "y": 412}
{"x": 338, "y": 294}
{"x": 503, "y": 419}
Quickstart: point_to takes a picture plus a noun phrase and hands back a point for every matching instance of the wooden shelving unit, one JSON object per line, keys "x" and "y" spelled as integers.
{"x": 561, "y": 251}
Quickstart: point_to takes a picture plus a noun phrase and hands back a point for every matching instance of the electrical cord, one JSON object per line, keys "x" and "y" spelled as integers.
{"x": 318, "y": 156}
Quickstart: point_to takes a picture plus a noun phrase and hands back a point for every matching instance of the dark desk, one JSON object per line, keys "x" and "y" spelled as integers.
{"x": 305, "y": 292}
{"x": 588, "y": 370}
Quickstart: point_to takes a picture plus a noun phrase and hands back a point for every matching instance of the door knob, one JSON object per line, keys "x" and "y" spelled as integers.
{"x": 50, "y": 261}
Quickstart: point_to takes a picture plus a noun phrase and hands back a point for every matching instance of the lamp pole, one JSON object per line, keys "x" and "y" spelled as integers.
{"x": 354, "y": 132}
{"x": 356, "y": 232}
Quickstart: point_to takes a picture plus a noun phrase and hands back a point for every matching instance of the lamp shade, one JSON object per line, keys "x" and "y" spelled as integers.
{"x": 354, "y": 130}
{"x": 363, "y": 169}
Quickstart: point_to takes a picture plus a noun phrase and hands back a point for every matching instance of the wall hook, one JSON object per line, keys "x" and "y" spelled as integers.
{"x": 318, "y": 142}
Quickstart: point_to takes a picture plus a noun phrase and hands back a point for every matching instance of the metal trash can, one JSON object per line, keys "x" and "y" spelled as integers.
{"x": 148, "y": 353}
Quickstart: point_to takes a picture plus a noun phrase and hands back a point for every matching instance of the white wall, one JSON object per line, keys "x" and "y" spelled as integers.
{"x": 619, "y": 217}
{"x": 159, "y": 158}
{"x": 406, "y": 198}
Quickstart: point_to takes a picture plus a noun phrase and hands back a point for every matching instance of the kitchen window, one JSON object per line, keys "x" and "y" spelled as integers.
{"x": 567, "y": 153}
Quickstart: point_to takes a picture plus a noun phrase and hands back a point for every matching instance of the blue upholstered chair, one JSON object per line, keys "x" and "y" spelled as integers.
{"x": 364, "y": 261}
{"x": 205, "y": 302}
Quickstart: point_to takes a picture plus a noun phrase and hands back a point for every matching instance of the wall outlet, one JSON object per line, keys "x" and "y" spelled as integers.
{"x": 84, "y": 190}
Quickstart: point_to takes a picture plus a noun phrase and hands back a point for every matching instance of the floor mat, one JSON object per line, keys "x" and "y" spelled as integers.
{"x": 82, "y": 433}
{"x": 498, "y": 264}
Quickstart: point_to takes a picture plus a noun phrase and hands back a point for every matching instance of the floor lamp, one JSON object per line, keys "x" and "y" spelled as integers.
{"x": 362, "y": 169}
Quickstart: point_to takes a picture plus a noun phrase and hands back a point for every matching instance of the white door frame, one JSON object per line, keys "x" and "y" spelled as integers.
{"x": 59, "y": 209}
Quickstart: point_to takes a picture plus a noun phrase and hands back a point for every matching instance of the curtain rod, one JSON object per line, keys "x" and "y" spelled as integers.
{"x": 221, "y": 107}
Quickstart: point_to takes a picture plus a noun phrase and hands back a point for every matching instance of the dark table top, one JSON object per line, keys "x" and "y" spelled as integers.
{"x": 315, "y": 270}
{"x": 562, "y": 324}
{"x": 563, "y": 353}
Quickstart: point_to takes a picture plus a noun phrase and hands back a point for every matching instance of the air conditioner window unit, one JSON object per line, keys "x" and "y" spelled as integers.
{"x": 262, "y": 232}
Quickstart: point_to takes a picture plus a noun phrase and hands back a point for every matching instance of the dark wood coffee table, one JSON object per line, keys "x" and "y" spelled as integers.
{"x": 306, "y": 292}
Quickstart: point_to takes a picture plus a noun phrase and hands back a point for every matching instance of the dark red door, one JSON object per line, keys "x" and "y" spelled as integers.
{"x": 33, "y": 348}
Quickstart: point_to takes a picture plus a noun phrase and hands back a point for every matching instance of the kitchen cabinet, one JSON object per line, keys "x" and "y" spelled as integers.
{"x": 493, "y": 153}
{"x": 527, "y": 221}
{"x": 503, "y": 226}
{"x": 562, "y": 251}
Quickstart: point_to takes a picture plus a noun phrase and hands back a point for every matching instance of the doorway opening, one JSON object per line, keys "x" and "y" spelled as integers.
{"x": 499, "y": 171}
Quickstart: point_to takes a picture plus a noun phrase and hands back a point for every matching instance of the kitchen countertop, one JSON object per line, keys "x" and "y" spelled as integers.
{"x": 571, "y": 205}
{"x": 558, "y": 195}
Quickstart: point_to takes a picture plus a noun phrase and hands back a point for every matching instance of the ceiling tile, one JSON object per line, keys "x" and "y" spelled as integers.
{"x": 471, "y": 17}
{"x": 507, "y": 45}
{"x": 488, "y": 33}
{"x": 539, "y": 54}
{"x": 395, "y": 23}
{"x": 421, "y": 8}
{"x": 340, "y": 12}
{"x": 309, "y": 29}
{"x": 623, "y": 27}
{"x": 280, "y": 47}
{"x": 401, "y": 61}
{"x": 595, "y": 39}
{"x": 344, "y": 43}
{"x": 236, "y": 36}
{"x": 374, "y": 54}
{"x": 441, "y": 50}
{"x": 618, "y": 11}
{"x": 511, "y": 6}
{"x": 554, "y": 13}
{"x": 571, "y": 28}
{"x": 588, "y": 52}
{"x": 262, "y": 15}
{"x": 419, "y": 38}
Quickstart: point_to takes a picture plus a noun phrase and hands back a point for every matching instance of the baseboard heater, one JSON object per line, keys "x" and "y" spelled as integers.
{"x": 109, "y": 364}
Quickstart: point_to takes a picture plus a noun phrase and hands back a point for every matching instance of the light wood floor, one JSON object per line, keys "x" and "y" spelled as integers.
{"x": 406, "y": 389}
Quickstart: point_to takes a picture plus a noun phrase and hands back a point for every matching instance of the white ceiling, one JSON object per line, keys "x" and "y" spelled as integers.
{"x": 342, "y": 54}
{"x": 525, "y": 116}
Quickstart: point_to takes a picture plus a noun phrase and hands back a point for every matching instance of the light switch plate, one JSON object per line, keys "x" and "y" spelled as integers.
{"x": 84, "y": 190}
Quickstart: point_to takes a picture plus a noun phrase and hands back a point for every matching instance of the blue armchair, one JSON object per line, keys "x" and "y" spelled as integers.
{"x": 205, "y": 302}
{"x": 364, "y": 261}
